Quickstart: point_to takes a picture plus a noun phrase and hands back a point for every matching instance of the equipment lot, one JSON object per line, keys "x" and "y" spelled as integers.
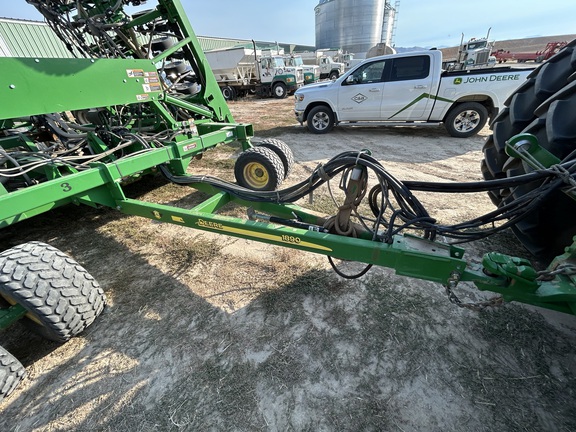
{"x": 209, "y": 332}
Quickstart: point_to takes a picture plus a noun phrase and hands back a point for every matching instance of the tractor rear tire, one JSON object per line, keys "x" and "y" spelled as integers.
{"x": 282, "y": 151}
{"x": 11, "y": 373}
{"x": 545, "y": 106}
{"x": 61, "y": 297}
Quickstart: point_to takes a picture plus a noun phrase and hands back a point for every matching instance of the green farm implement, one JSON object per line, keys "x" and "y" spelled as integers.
{"x": 139, "y": 99}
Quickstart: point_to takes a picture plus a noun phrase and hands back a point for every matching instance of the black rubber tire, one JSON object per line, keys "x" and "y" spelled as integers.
{"x": 11, "y": 373}
{"x": 466, "y": 119}
{"x": 229, "y": 93}
{"x": 260, "y": 169}
{"x": 279, "y": 90}
{"x": 176, "y": 67}
{"x": 320, "y": 119}
{"x": 334, "y": 75}
{"x": 61, "y": 297}
{"x": 282, "y": 150}
{"x": 161, "y": 44}
{"x": 545, "y": 106}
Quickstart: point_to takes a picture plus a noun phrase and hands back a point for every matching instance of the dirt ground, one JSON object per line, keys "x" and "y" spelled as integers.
{"x": 211, "y": 333}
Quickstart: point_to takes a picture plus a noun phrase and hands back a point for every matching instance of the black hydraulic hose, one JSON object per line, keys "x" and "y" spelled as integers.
{"x": 470, "y": 187}
{"x": 409, "y": 212}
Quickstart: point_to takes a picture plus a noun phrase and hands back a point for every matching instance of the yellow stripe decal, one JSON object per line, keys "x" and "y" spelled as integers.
{"x": 293, "y": 240}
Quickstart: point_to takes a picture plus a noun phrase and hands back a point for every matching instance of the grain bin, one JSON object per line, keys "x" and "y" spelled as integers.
{"x": 353, "y": 25}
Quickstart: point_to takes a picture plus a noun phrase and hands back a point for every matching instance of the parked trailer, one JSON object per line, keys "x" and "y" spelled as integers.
{"x": 551, "y": 48}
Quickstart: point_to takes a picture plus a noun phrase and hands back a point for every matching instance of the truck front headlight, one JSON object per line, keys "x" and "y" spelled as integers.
{"x": 289, "y": 79}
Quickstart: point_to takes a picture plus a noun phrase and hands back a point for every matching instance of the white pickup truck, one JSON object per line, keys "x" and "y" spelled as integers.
{"x": 408, "y": 88}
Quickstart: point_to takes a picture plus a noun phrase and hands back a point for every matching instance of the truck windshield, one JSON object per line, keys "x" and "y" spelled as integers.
{"x": 296, "y": 61}
{"x": 278, "y": 62}
{"x": 477, "y": 45}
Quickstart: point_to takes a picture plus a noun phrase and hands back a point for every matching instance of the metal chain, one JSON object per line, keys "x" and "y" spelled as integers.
{"x": 476, "y": 306}
{"x": 567, "y": 269}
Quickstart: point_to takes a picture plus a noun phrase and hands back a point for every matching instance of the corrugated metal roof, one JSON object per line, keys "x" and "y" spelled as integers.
{"x": 29, "y": 39}
{"x": 209, "y": 43}
{"x": 22, "y": 38}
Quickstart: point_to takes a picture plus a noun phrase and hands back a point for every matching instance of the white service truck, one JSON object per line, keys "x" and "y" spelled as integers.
{"x": 408, "y": 88}
{"x": 240, "y": 71}
{"x": 311, "y": 72}
{"x": 328, "y": 67}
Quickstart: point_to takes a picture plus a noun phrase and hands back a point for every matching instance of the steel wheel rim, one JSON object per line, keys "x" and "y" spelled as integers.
{"x": 466, "y": 121}
{"x": 279, "y": 90}
{"x": 256, "y": 175}
{"x": 320, "y": 121}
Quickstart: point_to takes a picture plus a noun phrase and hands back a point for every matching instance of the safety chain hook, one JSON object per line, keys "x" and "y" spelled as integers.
{"x": 476, "y": 306}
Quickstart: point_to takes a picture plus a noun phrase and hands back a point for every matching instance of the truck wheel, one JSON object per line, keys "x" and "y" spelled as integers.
{"x": 466, "y": 119}
{"x": 11, "y": 373}
{"x": 229, "y": 93}
{"x": 282, "y": 151}
{"x": 259, "y": 169}
{"x": 279, "y": 90}
{"x": 334, "y": 75}
{"x": 545, "y": 106}
{"x": 320, "y": 119}
{"x": 61, "y": 297}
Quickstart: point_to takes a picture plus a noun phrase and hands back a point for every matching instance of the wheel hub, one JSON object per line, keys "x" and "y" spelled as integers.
{"x": 256, "y": 175}
{"x": 467, "y": 121}
{"x": 320, "y": 121}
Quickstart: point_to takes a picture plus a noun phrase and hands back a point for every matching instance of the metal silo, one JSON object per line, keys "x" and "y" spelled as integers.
{"x": 353, "y": 25}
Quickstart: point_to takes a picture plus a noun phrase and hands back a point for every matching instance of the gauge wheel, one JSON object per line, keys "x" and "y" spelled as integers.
{"x": 544, "y": 106}
{"x": 61, "y": 297}
{"x": 259, "y": 169}
{"x": 466, "y": 119}
{"x": 320, "y": 119}
{"x": 279, "y": 90}
{"x": 282, "y": 151}
{"x": 11, "y": 373}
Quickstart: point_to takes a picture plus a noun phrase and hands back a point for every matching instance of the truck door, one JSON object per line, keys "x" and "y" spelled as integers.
{"x": 266, "y": 70}
{"x": 324, "y": 66}
{"x": 407, "y": 88}
{"x": 360, "y": 94}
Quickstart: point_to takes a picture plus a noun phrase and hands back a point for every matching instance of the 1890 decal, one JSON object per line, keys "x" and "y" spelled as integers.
{"x": 291, "y": 239}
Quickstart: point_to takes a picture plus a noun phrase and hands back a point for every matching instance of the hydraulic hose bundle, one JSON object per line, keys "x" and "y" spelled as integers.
{"x": 393, "y": 204}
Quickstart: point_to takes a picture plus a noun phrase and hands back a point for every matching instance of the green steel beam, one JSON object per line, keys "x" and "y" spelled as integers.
{"x": 86, "y": 185}
{"x": 10, "y": 315}
{"x": 38, "y": 86}
{"x": 410, "y": 256}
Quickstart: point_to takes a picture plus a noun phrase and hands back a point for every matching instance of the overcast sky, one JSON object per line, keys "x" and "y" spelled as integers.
{"x": 420, "y": 22}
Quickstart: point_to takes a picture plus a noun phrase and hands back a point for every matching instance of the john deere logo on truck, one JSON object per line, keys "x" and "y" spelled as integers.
{"x": 488, "y": 78}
